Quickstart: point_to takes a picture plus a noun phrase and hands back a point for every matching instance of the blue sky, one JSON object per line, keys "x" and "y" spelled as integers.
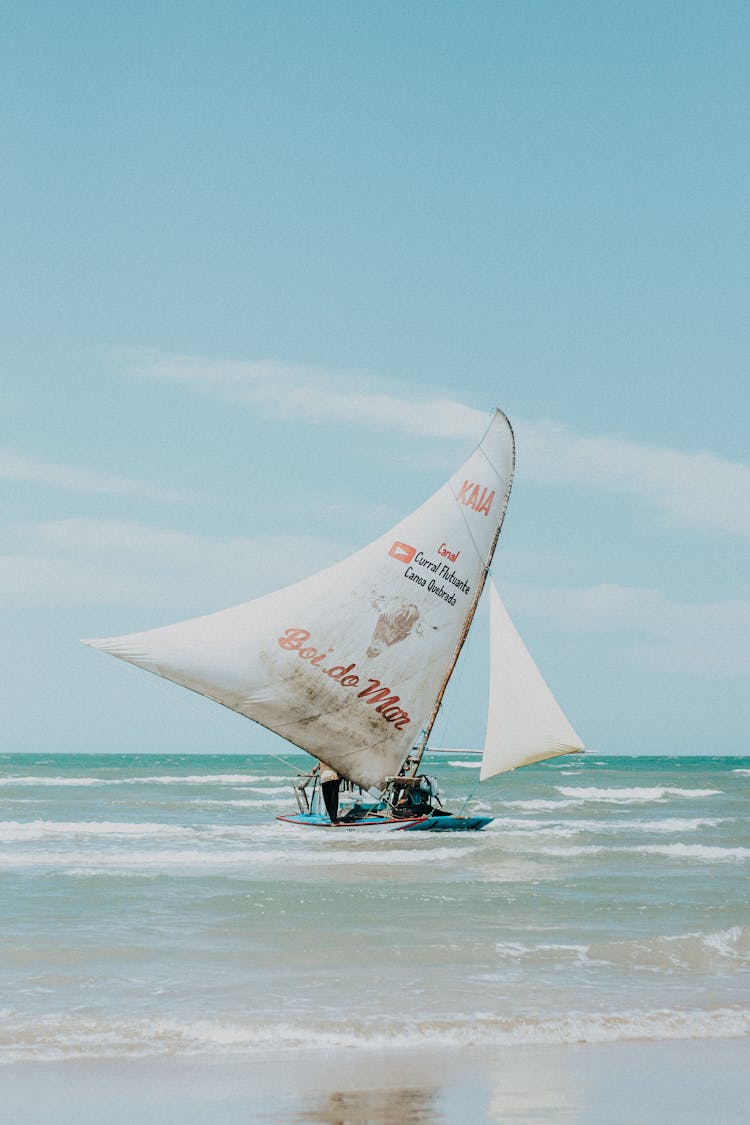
{"x": 267, "y": 269}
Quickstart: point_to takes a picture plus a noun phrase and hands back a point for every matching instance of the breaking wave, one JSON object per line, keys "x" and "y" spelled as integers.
{"x": 145, "y": 779}
{"x": 633, "y": 794}
{"x": 53, "y": 1038}
{"x": 678, "y": 953}
{"x": 665, "y": 826}
{"x": 701, "y": 852}
{"x": 219, "y": 860}
{"x": 60, "y": 831}
{"x": 542, "y": 805}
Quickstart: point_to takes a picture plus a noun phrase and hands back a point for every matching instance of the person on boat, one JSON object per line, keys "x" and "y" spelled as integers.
{"x": 330, "y": 783}
{"x": 414, "y": 799}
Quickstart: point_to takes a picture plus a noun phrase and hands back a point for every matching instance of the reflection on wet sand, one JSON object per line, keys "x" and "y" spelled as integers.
{"x": 404, "y": 1106}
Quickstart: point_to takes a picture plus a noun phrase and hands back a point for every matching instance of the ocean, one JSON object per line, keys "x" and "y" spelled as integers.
{"x": 154, "y": 909}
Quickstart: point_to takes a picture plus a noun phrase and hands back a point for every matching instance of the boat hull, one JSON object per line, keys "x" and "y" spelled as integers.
{"x": 445, "y": 823}
{"x": 449, "y": 824}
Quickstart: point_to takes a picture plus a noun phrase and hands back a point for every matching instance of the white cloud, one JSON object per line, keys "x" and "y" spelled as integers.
{"x": 697, "y": 489}
{"x": 606, "y": 606}
{"x": 694, "y": 489}
{"x": 83, "y": 561}
{"x": 17, "y": 467}
{"x": 702, "y": 638}
{"x": 286, "y": 389}
{"x": 39, "y": 580}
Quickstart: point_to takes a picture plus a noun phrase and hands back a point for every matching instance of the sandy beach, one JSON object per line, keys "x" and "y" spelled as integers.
{"x": 589, "y": 1084}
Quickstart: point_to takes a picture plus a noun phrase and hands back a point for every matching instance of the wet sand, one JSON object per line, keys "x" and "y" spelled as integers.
{"x": 651, "y": 1083}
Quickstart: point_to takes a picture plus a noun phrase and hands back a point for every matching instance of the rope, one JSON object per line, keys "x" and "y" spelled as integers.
{"x": 471, "y": 794}
{"x": 280, "y": 759}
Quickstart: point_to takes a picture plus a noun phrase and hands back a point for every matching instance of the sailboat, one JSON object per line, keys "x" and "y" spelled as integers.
{"x": 352, "y": 663}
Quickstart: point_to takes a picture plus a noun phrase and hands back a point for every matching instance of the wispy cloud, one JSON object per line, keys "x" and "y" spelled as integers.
{"x": 15, "y": 466}
{"x": 702, "y": 638}
{"x": 284, "y": 389}
{"x": 695, "y": 489}
{"x": 44, "y": 580}
{"x": 84, "y": 561}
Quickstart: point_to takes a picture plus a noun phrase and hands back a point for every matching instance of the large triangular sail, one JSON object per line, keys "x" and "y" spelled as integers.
{"x": 348, "y": 663}
{"x": 525, "y": 723}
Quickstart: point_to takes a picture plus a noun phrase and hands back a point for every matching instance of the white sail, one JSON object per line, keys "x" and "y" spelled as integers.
{"x": 525, "y": 723}
{"x": 348, "y": 664}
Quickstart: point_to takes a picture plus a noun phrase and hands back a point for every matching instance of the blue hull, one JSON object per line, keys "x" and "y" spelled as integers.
{"x": 449, "y": 824}
{"x": 418, "y": 824}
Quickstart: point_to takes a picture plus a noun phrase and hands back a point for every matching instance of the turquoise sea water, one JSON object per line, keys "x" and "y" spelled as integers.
{"x": 153, "y": 906}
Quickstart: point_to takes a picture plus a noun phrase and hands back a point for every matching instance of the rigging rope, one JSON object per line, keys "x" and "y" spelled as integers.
{"x": 471, "y": 794}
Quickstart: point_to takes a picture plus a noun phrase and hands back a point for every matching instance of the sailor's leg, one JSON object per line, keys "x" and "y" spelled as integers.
{"x": 331, "y": 799}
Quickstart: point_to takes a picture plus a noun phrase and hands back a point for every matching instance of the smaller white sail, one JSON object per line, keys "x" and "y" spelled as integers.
{"x": 525, "y": 723}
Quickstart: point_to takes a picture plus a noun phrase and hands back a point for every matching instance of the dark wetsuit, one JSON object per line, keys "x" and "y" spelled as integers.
{"x": 329, "y": 784}
{"x": 331, "y": 798}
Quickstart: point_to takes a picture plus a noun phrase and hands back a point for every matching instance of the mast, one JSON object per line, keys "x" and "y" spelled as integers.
{"x": 415, "y": 760}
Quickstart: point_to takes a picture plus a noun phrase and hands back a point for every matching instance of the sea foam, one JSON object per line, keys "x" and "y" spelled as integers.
{"x": 54, "y": 1038}
{"x": 633, "y": 793}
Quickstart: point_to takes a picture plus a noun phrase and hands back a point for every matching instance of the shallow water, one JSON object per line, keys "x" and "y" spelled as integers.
{"x": 153, "y": 906}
